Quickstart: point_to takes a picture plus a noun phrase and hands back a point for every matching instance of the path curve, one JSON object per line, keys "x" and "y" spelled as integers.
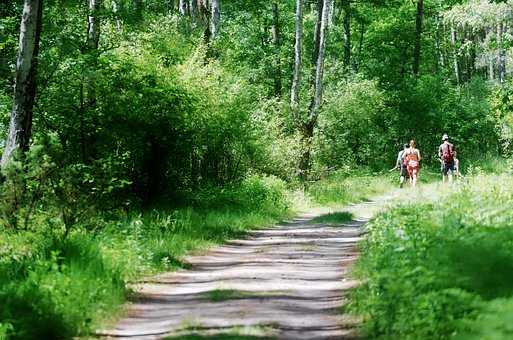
{"x": 287, "y": 282}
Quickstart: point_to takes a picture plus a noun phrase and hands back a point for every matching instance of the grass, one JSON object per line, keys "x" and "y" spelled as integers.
{"x": 233, "y": 333}
{"x": 441, "y": 269}
{"x": 334, "y": 218}
{"x": 218, "y": 295}
{"x": 342, "y": 187}
{"x": 55, "y": 288}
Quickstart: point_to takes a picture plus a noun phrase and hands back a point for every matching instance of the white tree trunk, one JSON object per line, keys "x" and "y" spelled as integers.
{"x": 276, "y": 43}
{"x": 456, "y": 55}
{"x": 298, "y": 52}
{"x": 182, "y": 7}
{"x": 216, "y": 18}
{"x": 501, "y": 55}
{"x": 93, "y": 40}
{"x": 115, "y": 10}
{"x": 20, "y": 126}
{"x": 319, "y": 68}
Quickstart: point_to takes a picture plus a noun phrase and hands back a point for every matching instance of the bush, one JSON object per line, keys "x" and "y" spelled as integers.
{"x": 431, "y": 270}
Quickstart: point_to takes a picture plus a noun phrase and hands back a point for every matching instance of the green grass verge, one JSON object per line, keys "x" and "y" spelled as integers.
{"x": 442, "y": 269}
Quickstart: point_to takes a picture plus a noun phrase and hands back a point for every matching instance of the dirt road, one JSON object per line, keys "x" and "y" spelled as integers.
{"x": 287, "y": 282}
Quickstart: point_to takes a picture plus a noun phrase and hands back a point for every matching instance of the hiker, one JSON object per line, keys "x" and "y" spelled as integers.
{"x": 399, "y": 164}
{"x": 446, "y": 155}
{"x": 412, "y": 162}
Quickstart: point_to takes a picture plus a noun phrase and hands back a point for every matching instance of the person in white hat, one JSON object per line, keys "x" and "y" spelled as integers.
{"x": 446, "y": 155}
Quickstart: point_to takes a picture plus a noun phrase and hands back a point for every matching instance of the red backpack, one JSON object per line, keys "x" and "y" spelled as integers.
{"x": 447, "y": 152}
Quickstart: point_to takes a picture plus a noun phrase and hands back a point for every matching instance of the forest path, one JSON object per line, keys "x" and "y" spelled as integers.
{"x": 287, "y": 282}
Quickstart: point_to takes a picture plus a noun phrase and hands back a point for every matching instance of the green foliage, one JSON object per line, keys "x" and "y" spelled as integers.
{"x": 437, "y": 270}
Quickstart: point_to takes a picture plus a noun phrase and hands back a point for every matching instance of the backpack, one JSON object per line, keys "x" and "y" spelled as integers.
{"x": 447, "y": 153}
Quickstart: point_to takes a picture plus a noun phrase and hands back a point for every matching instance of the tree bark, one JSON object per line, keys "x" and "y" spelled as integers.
{"x": 115, "y": 10}
{"x": 418, "y": 36}
{"x": 182, "y": 7}
{"x": 316, "y": 101}
{"x": 193, "y": 6}
{"x": 501, "y": 55}
{"x": 93, "y": 39}
{"x": 216, "y": 18}
{"x": 25, "y": 89}
{"x": 456, "y": 57}
{"x": 275, "y": 29}
{"x": 298, "y": 53}
{"x": 438, "y": 45}
{"x": 346, "y": 8}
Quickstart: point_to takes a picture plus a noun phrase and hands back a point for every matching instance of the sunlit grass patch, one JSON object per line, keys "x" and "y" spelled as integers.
{"x": 197, "y": 332}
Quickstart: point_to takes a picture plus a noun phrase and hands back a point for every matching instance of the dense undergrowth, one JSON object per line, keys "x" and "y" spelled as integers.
{"x": 441, "y": 269}
{"x": 58, "y": 287}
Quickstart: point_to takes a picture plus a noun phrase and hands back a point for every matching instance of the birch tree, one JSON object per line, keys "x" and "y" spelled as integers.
{"x": 276, "y": 43}
{"x": 298, "y": 52}
{"x": 309, "y": 124}
{"x": 25, "y": 89}
{"x": 346, "y": 9}
{"x": 216, "y": 18}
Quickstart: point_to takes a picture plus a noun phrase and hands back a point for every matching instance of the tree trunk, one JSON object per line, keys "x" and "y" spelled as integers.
{"x": 216, "y": 18}
{"x": 205, "y": 18}
{"x": 456, "y": 57}
{"x": 360, "y": 46}
{"x": 501, "y": 57}
{"x": 317, "y": 34}
{"x": 298, "y": 53}
{"x": 438, "y": 45}
{"x": 418, "y": 36}
{"x": 193, "y": 5}
{"x": 308, "y": 129}
{"x": 115, "y": 10}
{"x": 276, "y": 42}
{"x": 93, "y": 39}
{"x": 182, "y": 7}
{"x": 25, "y": 89}
{"x": 346, "y": 8}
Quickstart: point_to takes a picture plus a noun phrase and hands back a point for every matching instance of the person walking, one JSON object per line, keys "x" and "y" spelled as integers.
{"x": 399, "y": 164}
{"x": 446, "y": 154}
{"x": 412, "y": 160}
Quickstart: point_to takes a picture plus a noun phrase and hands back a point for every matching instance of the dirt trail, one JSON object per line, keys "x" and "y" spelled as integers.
{"x": 285, "y": 282}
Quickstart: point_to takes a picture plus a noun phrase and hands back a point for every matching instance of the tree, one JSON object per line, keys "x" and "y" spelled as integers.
{"x": 182, "y": 7}
{"x": 298, "y": 49}
{"x": 25, "y": 89}
{"x": 346, "y": 9}
{"x": 276, "y": 42}
{"x": 216, "y": 18}
{"x": 93, "y": 39}
{"x": 316, "y": 100}
{"x": 418, "y": 36}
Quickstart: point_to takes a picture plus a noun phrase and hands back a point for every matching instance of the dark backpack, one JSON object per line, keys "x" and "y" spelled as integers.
{"x": 447, "y": 153}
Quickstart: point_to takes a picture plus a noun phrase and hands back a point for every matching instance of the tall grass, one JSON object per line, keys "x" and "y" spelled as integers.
{"x": 441, "y": 269}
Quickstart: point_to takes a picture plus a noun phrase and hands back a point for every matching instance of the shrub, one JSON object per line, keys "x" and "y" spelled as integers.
{"x": 431, "y": 270}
